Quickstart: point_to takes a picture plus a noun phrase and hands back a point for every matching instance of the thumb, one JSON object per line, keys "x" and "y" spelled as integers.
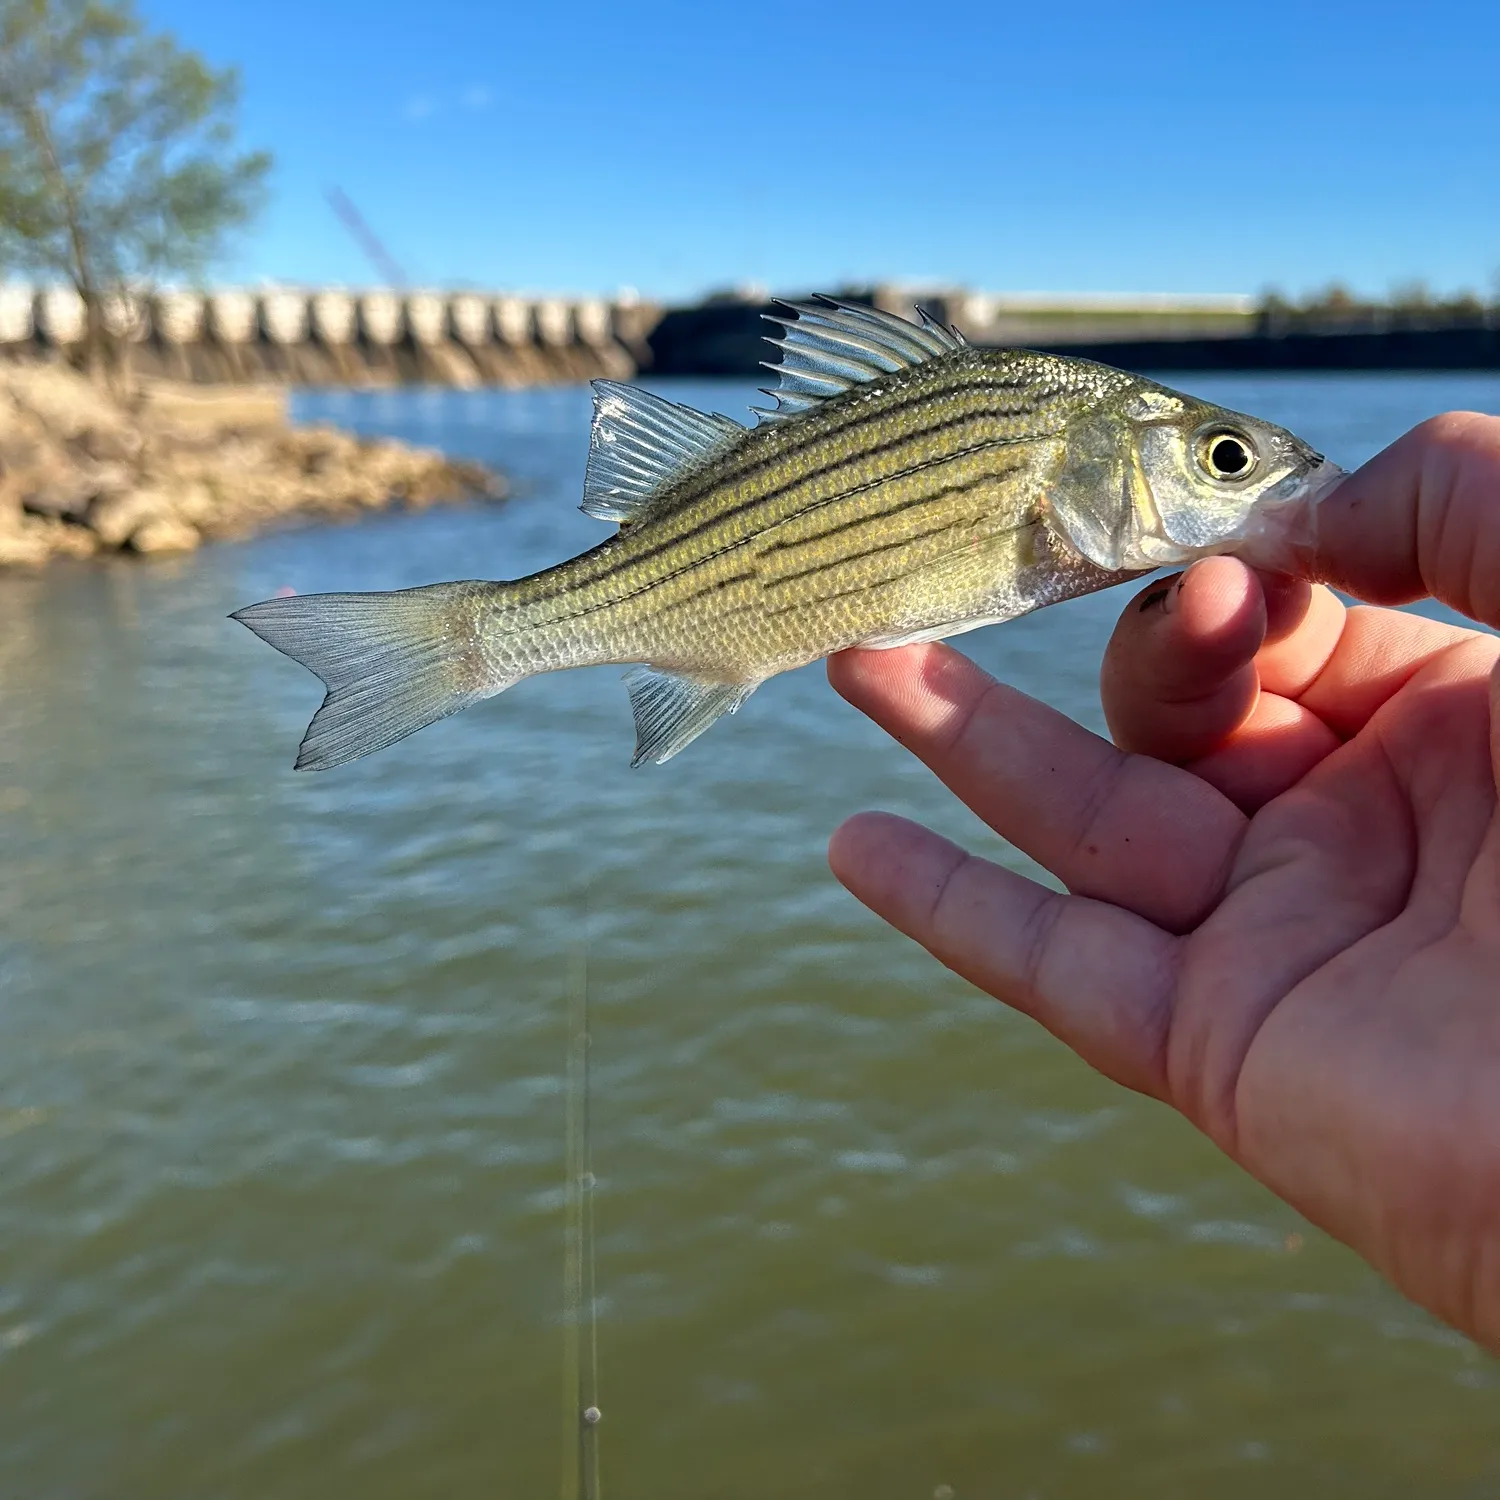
{"x": 1178, "y": 676}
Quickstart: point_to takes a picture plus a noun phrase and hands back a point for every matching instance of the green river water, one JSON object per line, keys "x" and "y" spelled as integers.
{"x": 282, "y": 1087}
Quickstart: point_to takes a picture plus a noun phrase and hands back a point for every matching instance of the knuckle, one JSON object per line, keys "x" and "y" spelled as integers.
{"x": 969, "y": 720}
{"x": 1036, "y": 940}
{"x": 944, "y": 894}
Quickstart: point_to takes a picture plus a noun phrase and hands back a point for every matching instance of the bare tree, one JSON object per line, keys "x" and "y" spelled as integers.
{"x": 117, "y": 157}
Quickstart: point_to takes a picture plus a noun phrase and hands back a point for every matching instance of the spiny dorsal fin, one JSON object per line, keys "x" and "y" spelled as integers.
{"x": 639, "y": 444}
{"x": 671, "y": 711}
{"x": 828, "y": 346}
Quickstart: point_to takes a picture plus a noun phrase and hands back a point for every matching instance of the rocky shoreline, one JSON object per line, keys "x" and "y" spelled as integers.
{"x": 165, "y": 467}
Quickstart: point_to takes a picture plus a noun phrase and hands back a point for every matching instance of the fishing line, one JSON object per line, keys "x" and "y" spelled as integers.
{"x": 580, "y": 1469}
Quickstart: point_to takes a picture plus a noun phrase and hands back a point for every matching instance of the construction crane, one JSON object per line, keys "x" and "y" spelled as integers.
{"x": 365, "y": 237}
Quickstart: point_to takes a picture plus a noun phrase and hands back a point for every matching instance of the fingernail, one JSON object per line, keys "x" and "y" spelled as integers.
{"x": 1155, "y": 597}
{"x": 1173, "y": 590}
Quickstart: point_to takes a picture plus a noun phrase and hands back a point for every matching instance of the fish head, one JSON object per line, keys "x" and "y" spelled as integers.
{"x": 1159, "y": 478}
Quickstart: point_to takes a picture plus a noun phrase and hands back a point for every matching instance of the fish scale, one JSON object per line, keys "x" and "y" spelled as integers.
{"x": 906, "y": 487}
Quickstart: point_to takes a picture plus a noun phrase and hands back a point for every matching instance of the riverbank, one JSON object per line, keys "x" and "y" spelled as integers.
{"x": 169, "y": 466}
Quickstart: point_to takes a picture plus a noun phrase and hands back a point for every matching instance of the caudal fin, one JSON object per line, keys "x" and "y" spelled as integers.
{"x": 392, "y": 663}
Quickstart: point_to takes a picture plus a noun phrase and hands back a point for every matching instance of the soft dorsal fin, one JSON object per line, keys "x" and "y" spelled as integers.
{"x": 828, "y": 346}
{"x": 640, "y": 443}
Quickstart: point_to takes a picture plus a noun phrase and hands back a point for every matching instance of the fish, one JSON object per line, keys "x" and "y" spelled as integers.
{"x": 906, "y": 486}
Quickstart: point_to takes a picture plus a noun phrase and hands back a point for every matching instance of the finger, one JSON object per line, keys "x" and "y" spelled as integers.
{"x": 1180, "y": 676}
{"x": 1420, "y": 519}
{"x": 1177, "y": 677}
{"x": 1119, "y": 827}
{"x": 1095, "y": 976}
{"x": 1320, "y": 685}
{"x": 1269, "y": 753}
{"x": 1174, "y": 678}
{"x": 1304, "y": 624}
{"x": 1377, "y": 652}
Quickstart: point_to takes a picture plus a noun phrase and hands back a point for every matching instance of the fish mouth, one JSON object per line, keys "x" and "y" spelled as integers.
{"x": 1281, "y": 532}
{"x": 1310, "y": 484}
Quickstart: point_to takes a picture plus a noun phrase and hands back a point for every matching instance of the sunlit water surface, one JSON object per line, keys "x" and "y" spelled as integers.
{"x": 281, "y": 1102}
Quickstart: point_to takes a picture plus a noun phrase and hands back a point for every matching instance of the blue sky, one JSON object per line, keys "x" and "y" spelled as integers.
{"x": 573, "y": 146}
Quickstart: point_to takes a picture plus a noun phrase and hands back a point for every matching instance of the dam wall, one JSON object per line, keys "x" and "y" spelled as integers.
{"x": 382, "y": 336}
{"x": 376, "y": 337}
{"x": 725, "y": 335}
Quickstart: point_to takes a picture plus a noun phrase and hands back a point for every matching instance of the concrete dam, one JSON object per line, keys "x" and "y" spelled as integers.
{"x": 334, "y": 337}
{"x": 388, "y": 337}
{"x": 1146, "y": 334}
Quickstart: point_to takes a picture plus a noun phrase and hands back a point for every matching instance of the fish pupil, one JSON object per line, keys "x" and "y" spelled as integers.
{"x": 1229, "y": 456}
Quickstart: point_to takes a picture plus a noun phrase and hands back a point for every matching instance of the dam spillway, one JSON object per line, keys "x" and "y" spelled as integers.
{"x": 334, "y": 337}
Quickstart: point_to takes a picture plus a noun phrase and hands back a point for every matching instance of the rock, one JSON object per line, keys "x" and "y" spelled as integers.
{"x": 164, "y": 534}
{"x": 65, "y": 495}
{"x": 17, "y": 451}
{"x": 23, "y": 549}
{"x": 33, "y": 541}
{"x": 195, "y": 415}
{"x": 68, "y": 541}
{"x": 193, "y": 501}
{"x": 65, "y": 403}
{"x": 114, "y": 518}
{"x": 110, "y": 445}
{"x": 69, "y": 493}
{"x": 319, "y": 450}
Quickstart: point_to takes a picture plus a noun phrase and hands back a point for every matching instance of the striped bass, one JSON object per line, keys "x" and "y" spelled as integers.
{"x": 906, "y": 487}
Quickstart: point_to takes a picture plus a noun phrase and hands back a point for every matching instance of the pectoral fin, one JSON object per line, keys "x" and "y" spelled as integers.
{"x": 671, "y": 711}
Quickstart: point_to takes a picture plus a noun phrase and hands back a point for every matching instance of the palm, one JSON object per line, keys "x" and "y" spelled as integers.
{"x": 1282, "y": 937}
{"x": 1328, "y": 1005}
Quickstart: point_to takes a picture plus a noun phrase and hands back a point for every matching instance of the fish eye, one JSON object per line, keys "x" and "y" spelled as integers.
{"x": 1226, "y": 454}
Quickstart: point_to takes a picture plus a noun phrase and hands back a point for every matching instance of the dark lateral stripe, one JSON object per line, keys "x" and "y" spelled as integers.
{"x": 650, "y": 586}
{"x": 837, "y": 419}
{"x": 845, "y": 558}
{"x": 946, "y": 493}
{"x": 717, "y": 586}
{"x": 822, "y": 536}
{"x": 595, "y": 605}
{"x": 651, "y": 583}
{"x": 822, "y": 599}
{"x": 817, "y": 429}
{"x": 824, "y": 471}
{"x": 855, "y": 589}
{"x": 811, "y": 476}
{"x": 911, "y": 385}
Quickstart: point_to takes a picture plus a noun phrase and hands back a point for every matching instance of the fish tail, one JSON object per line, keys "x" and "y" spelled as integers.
{"x": 392, "y": 662}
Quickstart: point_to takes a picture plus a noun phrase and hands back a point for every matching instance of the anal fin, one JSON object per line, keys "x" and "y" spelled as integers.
{"x": 671, "y": 710}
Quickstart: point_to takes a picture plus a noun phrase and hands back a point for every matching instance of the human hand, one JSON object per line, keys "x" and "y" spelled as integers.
{"x": 1283, "y": 887}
